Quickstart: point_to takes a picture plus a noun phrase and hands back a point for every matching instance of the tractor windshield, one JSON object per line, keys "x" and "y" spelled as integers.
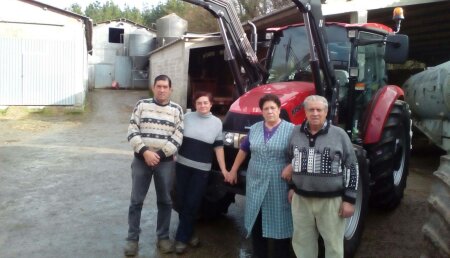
{"x": 289, "y": 58}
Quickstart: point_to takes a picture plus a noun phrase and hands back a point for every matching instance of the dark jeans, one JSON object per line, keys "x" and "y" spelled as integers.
{"x": 281, "y": 247}
{"x": 191, "y": 186}
{"x": 141, "y": 175}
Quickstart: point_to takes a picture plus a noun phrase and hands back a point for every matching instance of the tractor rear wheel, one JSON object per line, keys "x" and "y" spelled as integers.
{"x": 389, "y": 159}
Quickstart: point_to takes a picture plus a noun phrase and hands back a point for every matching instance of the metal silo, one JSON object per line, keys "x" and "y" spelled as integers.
{"x": 140, "y": 44}
{"x": 170, "y": 28}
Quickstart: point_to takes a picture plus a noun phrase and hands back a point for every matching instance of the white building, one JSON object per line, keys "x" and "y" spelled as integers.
{"x": 44, "y": 52}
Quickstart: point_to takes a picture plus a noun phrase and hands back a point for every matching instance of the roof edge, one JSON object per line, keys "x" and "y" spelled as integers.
{"x": 86, "y": 20}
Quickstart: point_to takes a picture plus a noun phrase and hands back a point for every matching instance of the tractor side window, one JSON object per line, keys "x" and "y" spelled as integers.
{"x": 371, "y": 74}
{"x": 371, "y": 66}
{"x": 339, "y": 56}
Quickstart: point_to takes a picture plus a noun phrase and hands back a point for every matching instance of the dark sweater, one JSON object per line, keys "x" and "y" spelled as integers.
{"x": 324, "y": 164}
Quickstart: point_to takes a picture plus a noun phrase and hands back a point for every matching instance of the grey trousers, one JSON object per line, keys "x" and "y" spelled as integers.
{"x": 141, "y": 175}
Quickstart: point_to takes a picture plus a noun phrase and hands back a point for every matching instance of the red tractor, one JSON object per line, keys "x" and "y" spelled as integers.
{"x": 346, "y": 63}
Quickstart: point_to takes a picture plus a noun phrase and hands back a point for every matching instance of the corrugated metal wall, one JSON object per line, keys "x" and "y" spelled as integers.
{"x": 10, "y": 71}
{"x": 40, "y": 71}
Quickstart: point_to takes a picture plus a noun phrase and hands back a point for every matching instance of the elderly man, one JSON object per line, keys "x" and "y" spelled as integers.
{"x": 324, "y": 181}
{"x": 155, "y": 134}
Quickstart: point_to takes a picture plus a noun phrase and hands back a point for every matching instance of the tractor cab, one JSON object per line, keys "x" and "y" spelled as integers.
{"x": 357, "y": 54}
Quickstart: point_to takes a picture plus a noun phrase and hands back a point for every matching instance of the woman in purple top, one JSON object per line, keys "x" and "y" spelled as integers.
{"x": 267, "y": 210}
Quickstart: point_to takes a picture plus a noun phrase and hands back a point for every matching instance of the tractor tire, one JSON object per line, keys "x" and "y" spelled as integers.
{"x": 215, "y": 201}
{"x": 436, "y": 230}
{"x": 213, "y": 209}
{"x": 209, "y": 210}
{"x": 389, "y": 159}
{"x": 355, "y": 225}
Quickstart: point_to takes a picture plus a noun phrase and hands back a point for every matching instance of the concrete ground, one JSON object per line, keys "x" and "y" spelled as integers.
{"x": 65, "y": 186}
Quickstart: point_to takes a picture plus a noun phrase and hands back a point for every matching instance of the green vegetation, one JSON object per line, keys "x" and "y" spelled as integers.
{"x": 198, "y": 19}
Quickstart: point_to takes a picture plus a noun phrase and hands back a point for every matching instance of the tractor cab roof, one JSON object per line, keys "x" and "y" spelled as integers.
{"x": 375, "y": 27}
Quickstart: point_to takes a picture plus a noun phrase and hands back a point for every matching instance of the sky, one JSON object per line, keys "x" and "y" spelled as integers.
{"x": 62, "y": 4}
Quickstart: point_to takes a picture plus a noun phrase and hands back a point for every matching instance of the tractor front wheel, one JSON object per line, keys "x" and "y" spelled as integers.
{"x": 389, "y": 159}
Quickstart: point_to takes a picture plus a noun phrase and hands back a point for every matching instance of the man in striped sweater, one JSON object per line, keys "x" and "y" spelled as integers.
{"x": 155, "y": 134}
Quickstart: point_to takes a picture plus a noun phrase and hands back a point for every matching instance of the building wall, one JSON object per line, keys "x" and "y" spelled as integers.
{"x": 44, "y": 57}
{"x": 173, "y": 62}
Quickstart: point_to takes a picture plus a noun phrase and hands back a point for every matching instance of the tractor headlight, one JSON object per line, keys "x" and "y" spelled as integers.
{"x": 228, "y": 139}
{"x": 233, "y": 139}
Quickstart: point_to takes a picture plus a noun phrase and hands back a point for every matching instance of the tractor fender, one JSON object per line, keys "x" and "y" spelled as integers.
{"x": 378, "y": 112}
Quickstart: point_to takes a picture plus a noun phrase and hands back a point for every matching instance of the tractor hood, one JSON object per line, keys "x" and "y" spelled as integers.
{"x": 245, "y": 110}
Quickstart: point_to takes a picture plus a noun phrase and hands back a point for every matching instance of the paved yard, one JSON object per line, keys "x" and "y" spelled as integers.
{"x": 65, "y": 186}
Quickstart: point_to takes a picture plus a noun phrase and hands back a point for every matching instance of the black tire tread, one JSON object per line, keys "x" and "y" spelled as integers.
{"x": 351, "y": 245}
{"x": 384, "y": 193}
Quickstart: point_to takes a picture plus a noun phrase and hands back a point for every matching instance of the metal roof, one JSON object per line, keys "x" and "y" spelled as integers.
{"x": 192, "y": 37}
{"x": 86, "y": 20}
{"x": 127, "y": 21}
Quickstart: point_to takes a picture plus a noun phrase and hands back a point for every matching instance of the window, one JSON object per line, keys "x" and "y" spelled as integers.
{"x": 115, "y": 35}
{"x": 371, "y": 66}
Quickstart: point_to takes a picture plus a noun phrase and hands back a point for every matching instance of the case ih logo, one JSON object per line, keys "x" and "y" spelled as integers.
{"x": 297, "y": 109}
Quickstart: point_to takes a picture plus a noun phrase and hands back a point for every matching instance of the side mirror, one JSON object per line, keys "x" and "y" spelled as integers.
{"x": 397, "y": 48}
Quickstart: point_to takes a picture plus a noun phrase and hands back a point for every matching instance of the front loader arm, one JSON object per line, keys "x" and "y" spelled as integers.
{"x": 320, "y": 59}
{"x": 238, "y": 51}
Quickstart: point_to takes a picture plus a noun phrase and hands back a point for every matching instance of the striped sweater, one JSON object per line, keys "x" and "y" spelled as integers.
{"x": 202, "y": 134}
{"x": 157, "y": 128}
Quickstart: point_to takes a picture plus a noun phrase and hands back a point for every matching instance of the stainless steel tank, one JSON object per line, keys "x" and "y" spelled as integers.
{"x": 139, "y": 62}
{"x": 140, "y": 43}
{"x": 170, "y": 28}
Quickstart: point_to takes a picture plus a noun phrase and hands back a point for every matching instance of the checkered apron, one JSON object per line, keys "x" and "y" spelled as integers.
{"x": 265, "y": 189}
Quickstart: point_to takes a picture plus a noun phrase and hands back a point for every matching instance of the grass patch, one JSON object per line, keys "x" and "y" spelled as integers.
{"x": 19, "y": 112}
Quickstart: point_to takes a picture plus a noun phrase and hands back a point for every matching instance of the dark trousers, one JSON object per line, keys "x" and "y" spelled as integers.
{"x": 141, "y": 175}
{"x": 190, "y": 186}
{"x": 281, "y": 247}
